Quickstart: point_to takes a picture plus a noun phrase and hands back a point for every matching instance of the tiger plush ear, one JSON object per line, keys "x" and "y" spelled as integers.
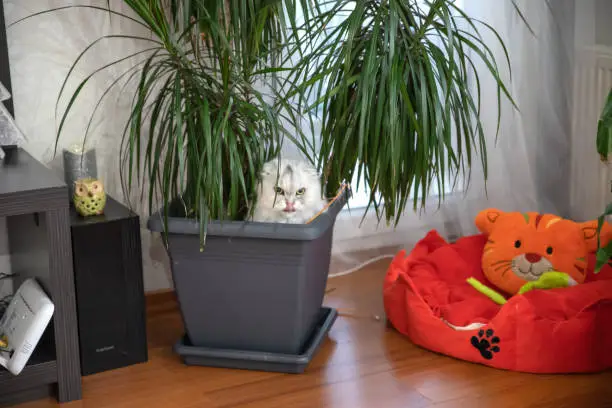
{"x": 589, "y": 230}
{"x": 486, "y": 218}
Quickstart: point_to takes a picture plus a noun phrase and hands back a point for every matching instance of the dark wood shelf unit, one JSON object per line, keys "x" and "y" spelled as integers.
{"x": 41, "y": 370}
{"x": 36, "y": 206}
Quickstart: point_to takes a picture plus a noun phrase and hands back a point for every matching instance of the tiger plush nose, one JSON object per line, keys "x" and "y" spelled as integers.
{"x": 533, "y": 258}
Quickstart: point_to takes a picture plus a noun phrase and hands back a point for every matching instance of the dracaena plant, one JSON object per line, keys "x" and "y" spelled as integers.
{"x": 204, "y": 117}
{"x": 394, "y": 83}
{"x": 397, "y": 90}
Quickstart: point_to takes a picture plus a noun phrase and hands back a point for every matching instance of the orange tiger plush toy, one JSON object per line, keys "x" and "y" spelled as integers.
{"x": 522, "y": 246}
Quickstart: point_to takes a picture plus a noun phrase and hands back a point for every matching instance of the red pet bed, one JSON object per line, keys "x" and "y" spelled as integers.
{"x": 543, "y": 331}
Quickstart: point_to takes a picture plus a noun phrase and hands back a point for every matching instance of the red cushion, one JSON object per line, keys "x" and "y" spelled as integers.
{"x": 543, "y": 331}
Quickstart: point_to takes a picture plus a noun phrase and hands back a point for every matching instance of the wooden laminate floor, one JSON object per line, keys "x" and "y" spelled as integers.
{"x": 362, "y": 364}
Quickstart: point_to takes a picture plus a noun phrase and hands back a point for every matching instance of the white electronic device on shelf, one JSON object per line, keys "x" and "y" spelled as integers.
{"x": 23, "y": 324}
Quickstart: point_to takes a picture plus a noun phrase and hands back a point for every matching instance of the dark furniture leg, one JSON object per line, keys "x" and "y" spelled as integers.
{"x": 65, "y": 319}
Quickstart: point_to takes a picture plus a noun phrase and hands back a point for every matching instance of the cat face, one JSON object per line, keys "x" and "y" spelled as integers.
{"x": 290, "y": 191}
{"x": 522, "y": 246}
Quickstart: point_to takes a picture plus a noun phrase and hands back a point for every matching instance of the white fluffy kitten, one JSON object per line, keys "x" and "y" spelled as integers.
{"x": 289, "y": 193}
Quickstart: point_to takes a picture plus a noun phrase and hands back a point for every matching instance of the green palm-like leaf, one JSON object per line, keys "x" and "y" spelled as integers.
{"x": 396, "y": 83}
{"x": 604, "y": 129}
{"x": 199, "y": 129}
{"x": 604, "y": 148}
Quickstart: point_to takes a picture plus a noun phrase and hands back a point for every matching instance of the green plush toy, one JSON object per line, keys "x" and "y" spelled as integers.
{"x": 548, "y": 280}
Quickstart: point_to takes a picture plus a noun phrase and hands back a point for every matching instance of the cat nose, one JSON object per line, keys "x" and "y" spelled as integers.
{"x": 533, "y": 258}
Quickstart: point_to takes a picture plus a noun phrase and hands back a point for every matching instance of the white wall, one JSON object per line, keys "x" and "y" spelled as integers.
{"x": 593, "y": 23}
{"x": 603, "y": 22}
{"x": 41, "y": 52}
{"x": 592, "y": 81}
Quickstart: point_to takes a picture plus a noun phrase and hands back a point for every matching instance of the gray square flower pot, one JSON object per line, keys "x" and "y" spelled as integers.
{"x": 256, "y": 286}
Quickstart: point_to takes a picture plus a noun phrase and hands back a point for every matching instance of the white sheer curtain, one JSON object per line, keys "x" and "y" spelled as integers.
{"x": 529, "y": 165}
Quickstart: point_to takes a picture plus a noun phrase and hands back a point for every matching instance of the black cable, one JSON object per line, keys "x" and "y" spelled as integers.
{"x": 4, "y": 303}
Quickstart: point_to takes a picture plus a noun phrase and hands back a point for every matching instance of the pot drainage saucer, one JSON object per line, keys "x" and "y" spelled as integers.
{"x": 257, "y": 360}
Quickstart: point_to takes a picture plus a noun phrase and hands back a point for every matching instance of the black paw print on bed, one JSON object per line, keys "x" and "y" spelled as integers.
{"x": 486, "y": 342}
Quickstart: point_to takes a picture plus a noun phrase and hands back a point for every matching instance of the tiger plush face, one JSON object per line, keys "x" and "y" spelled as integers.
{"x": 522, "y": 246}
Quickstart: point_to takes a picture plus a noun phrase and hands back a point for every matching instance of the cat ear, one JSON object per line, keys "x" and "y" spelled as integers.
{"x": 270, "y": 168}
{"x": 486, "y": 219}
{"x": 309, "y": 169}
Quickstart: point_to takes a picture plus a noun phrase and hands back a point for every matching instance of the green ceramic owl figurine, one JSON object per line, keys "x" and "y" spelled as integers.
{"x": 89, "y": 197}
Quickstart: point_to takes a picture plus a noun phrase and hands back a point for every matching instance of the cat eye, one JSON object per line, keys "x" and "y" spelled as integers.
{"x": 549, "y": 250}
{"x": 279, "y": 190}
{"x": 517, "y": 244}
{"x": 301, "y": 191}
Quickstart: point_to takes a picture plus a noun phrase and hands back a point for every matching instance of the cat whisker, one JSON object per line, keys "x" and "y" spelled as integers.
{"x": 501, "y": 262}
{"x": 504, "y": 265}
{"x": 505, "y": 272}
